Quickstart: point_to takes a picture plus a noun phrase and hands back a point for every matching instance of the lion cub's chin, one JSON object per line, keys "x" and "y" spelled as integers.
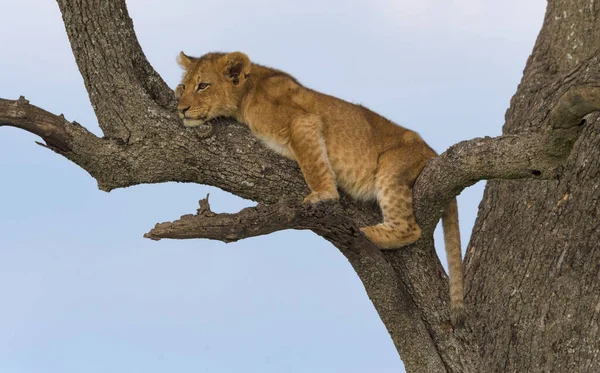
{"x": 193, "y": 122}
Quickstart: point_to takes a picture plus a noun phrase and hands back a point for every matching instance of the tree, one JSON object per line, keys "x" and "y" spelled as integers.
{"x": 531, "y": 268}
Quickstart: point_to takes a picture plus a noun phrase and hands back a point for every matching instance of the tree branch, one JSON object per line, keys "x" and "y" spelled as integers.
{"x": 467, "y": 162}
{"x": 30, "y": 118}
{"x": 261, "y": 220}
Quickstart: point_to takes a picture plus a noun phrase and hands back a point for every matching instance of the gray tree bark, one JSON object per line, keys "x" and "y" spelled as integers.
{"x": 533, "y": 263}
{"x": 532, "y": 268}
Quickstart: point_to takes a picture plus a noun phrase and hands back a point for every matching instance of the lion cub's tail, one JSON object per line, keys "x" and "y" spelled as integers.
{"x": 453, "y": 253}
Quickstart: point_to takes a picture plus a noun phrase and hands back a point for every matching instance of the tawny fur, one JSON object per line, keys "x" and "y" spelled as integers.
{"x": 336, "y": 143}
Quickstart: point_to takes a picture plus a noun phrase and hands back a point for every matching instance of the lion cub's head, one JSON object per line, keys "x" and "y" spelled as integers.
{"x": 211, "y": 87}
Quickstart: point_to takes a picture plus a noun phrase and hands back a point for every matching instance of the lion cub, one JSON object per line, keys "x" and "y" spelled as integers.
{"x": 334, "y": 142}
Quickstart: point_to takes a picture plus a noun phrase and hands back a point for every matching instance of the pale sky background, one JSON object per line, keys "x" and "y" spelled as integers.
{"x": 82, "y": 291}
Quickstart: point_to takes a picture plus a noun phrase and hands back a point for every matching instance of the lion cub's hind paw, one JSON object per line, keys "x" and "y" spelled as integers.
{"x": 390, "y": 237}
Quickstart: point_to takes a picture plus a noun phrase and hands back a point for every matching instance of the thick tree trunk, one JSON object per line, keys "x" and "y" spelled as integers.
{"x": 533, "y": 263}
{"x": 532, "y": 271}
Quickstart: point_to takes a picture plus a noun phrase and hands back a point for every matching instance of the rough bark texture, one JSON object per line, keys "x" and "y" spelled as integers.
{"x": 533, "y": 264}
{"x": 532, "y": 269}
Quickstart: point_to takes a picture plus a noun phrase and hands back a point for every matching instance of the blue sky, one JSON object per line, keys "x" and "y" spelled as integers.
{"x": 82, "y": 291}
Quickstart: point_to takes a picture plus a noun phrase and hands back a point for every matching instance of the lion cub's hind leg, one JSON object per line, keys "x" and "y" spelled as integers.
{"x": 399, "y": 227}
{"x": 308, "y": 147}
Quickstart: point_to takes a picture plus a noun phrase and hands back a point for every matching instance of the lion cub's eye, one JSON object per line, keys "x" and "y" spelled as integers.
{"x": 202, "y": 87}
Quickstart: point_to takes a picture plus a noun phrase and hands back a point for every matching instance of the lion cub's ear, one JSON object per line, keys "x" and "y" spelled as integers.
{"x": 184, "y": 61}
{"x": 236, "y": 67}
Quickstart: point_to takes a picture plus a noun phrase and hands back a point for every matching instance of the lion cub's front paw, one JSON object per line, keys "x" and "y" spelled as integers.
{"x": 316, "y": 197}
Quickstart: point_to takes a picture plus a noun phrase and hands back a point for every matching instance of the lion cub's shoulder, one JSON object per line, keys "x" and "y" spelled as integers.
{"x": 276, "y": 81}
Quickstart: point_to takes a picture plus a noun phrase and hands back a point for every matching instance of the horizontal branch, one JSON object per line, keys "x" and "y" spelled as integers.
{"x": 467, "y": 162}
{"x": 520, "y": 156}
{"x": 261, "y": 220}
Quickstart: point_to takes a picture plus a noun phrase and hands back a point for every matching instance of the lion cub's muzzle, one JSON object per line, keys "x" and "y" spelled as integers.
{"x": 190, "y": 120}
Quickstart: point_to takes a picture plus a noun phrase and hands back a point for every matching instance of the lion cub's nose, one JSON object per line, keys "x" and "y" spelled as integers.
{"x": 182, "y": 110}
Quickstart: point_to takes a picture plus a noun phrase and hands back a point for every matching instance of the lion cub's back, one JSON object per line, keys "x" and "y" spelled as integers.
{"x": 354, "y": 137}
